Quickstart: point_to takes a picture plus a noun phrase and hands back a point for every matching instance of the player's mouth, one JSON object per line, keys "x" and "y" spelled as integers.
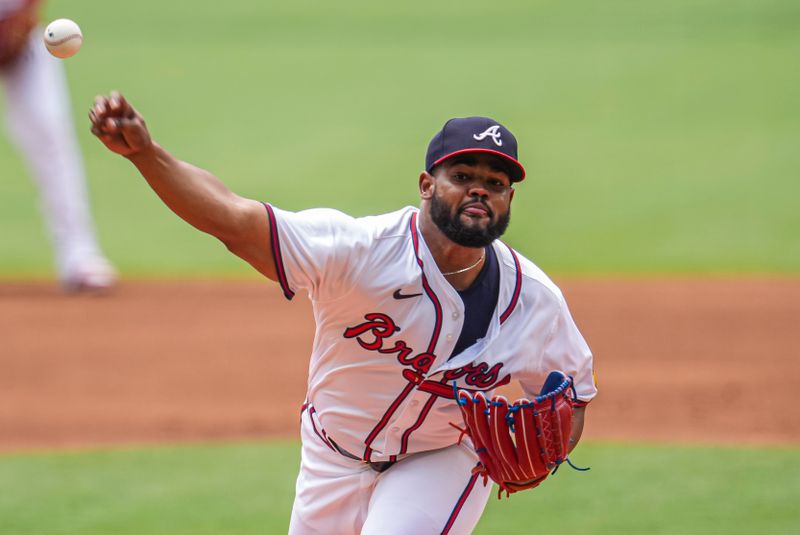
{"x": 476, "y": 209}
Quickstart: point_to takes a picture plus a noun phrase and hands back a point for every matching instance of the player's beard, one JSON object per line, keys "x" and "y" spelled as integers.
{"x": 451, "y": 226}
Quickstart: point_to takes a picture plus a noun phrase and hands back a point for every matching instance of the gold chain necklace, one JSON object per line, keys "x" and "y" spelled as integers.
{"x": 456, "y": 272}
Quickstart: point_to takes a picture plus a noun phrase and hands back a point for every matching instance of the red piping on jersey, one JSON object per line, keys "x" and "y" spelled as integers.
{"x": 385, "y": 419}
{"x": 459, "y": 504}
{"x": 432, "y": 296}
{"x": 421, "y": 418}
{"x": 431, "y": 346}
{"x": 275, "y": 244}
{"x": 517, "y": 287}
{"x": 323, "y": 437}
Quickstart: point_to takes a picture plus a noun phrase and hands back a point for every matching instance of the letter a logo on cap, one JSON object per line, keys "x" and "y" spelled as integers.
{"x": 493, "y": 132}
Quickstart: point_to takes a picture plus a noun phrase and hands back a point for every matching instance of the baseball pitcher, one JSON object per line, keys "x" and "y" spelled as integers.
{"x": 420, "y": 315}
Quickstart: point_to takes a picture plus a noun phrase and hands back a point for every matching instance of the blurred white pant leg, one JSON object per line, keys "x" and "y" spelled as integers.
{"x": 428, "y": 494}
{"x": 332, "y": 492}
{"x": 40, "y": 123}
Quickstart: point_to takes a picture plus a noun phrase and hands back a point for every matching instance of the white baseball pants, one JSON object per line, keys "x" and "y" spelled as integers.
{"x": 425, "y": 493}
{"x": 40, "y": 123}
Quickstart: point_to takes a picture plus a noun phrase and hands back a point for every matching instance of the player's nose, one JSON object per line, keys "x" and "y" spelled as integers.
{"x": 478, "y": 189}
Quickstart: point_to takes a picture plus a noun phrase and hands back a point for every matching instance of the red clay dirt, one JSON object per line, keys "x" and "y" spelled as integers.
{"x": 676, "y": 360}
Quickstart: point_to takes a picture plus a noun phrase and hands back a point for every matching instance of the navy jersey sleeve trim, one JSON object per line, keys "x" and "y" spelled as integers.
{"x": 275, "y": 244}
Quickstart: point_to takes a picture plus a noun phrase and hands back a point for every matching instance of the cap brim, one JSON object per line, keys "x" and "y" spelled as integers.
{"x": 518, "y": 166}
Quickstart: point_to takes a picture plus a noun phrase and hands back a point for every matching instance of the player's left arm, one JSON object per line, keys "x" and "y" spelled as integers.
{"x": 567, "y": 351}
{"x": 578, "y": 415}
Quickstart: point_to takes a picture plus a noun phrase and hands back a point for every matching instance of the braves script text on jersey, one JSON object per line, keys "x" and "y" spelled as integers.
{"x": 381, "y": 378}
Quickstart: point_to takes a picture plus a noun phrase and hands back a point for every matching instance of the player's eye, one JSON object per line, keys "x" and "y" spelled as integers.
{"x": 497, "y": 185}
{"x": 460, "y": 177}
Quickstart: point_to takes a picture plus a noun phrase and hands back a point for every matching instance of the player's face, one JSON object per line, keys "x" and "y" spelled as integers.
{"x": 471, "y": 200}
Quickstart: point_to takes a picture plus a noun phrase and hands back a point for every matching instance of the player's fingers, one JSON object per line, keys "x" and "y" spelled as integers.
{"x": 110, "y": 125}
{"x": 99, "y": 131}
{"x": 124, "y": 124}
{"x": 120, "y": 103}
{"x": 109, "y": 106}
{"x": 100, "y": 105}
{"x": 112, "y": 142}
{"x": 120, "y": 106}
{"x": 117, "y": 103}
{"x": 95, "y": 118}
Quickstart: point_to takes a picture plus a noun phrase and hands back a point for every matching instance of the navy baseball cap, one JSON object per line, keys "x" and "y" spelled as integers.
{"x": 474, "y": 134}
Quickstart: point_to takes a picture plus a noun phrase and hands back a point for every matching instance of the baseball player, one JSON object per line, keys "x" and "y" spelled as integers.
{"x": 39, "y": 121}
{"x": 410, "y": 306}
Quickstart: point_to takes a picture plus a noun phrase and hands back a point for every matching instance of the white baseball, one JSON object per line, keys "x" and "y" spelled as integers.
{"x": 63, "y": 38}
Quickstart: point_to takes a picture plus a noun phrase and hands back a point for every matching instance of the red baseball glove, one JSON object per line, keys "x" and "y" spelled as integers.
{"x": 520, "y": 444}
{"x": 15, "y": 28}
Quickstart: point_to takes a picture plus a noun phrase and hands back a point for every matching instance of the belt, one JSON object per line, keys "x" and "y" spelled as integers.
{"x": 378, "y": 466}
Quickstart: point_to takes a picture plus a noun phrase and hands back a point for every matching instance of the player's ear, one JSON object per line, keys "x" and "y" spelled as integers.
{"x": 426, "y": 185}
{"x": 511, "y": 195}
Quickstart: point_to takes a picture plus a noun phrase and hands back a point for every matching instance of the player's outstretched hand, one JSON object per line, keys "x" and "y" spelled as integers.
{"x": 118, "y": 125}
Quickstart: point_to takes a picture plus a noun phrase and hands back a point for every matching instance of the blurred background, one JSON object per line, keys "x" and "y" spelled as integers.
{"x": 660, "y": 140}
{"x": 665, "y": 131}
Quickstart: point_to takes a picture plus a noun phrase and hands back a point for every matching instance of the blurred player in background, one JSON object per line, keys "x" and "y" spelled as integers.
{"x": 40, "y": 124}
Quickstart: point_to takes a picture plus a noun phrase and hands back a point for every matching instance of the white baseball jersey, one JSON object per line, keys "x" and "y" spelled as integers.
{"x": 381, "y": 379}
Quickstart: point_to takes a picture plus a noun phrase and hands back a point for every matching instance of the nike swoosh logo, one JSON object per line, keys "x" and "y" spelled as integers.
{"x": 398, "y": 295}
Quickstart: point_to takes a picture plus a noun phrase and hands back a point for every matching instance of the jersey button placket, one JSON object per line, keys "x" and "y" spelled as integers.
{"x": 454, "y": 325}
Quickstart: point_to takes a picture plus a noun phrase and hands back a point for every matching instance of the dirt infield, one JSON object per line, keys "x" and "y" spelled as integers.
{"x": 170, "y": 362}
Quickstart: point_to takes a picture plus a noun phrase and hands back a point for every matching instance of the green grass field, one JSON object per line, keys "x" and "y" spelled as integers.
{"x": 248, "y": 488}
{"x": 660, "y": 137}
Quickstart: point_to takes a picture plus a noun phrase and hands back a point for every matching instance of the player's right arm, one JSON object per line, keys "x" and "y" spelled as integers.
{"x": 194, "y": 194}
